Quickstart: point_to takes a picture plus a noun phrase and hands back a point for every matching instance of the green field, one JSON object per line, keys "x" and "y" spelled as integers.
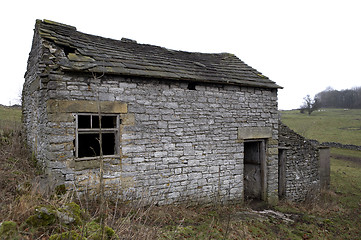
{"x": 10, "y": 117}
{"x": 326, "y": 125}
{"x": 346, "y": 177}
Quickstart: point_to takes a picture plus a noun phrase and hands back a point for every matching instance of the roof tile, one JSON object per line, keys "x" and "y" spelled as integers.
{"x": 127, "y": 57}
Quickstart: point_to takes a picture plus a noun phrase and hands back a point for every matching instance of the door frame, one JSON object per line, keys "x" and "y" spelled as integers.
{"x": 263, "y": 165}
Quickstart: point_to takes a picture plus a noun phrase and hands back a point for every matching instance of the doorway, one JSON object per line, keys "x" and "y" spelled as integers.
{"x": 281, "y": 173}
{"x": 254, "y": 170}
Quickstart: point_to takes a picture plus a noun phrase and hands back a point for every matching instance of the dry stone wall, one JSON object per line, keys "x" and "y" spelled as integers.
{"x": 302, "y": 165}
{"x": 340, "y": 145}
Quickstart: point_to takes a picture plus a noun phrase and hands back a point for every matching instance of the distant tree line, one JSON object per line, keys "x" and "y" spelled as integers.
{"x": 348, "y": 98}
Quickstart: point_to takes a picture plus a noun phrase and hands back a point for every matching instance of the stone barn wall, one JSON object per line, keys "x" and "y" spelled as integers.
{"x": 301, "y": 169}
{"x": 34, "y": 101}
{"x": 176, "y": 124}
{"x": 175, "y": 143}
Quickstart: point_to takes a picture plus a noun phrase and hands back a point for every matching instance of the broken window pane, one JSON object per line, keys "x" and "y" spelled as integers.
{"x": 84, "y": 121}
{"x": 108, "y": 143}
{"x": 88, "y": 143}
{"x": 95, "y": 121}
{"x": 109, "y": 121}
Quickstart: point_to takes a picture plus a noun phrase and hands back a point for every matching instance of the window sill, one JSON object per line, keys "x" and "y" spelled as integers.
{"x": 95, "y": 158}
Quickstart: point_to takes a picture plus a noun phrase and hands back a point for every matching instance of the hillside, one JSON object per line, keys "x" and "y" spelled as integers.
{"x": 326, "y": 125}
{"x": 34, "y": 214}
{"x": 10, "y": 117}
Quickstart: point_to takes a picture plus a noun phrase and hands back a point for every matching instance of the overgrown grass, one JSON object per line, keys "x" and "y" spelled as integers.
{"x": 10, "y": 114}
{"x": 327, "y": 125}
{"x": 335, "y": 215}
{"x": 17, "y": 170}
{"x": 346, "y": 177}
{"x": 341, "y": 206}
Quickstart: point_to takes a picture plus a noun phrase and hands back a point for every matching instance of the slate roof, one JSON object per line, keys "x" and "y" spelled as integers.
{"x": 89, "y": 53}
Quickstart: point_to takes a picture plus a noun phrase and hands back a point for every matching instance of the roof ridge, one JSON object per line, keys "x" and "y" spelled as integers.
{"x": 50, "y": 22}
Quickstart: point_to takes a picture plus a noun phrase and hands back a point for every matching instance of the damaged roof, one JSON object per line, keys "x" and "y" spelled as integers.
{"x": 94, "y": 54}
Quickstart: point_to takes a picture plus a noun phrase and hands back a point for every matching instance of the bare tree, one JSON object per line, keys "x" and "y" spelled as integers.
{"x": 309, "y": 105}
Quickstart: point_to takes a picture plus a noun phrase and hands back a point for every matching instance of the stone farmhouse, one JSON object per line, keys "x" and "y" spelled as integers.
{"x": 173, "y": 126}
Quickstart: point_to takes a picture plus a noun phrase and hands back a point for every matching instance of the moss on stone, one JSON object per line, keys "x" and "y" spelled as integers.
{"x": 73, "y": 212}
{"x": 71, "y": 235}
{"x": 44, "y": 216}
{"x": 74, "y": 208}
{"x": 8, "y": 230}
{"x": 70, "y": 217}
{"x": 47, "y": 215}
{"x": 94, "y": 231}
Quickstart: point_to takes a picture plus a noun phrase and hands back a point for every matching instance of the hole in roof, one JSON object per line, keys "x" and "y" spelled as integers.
{"x": 68, "y": 49}
{"x": 191, "y": 86}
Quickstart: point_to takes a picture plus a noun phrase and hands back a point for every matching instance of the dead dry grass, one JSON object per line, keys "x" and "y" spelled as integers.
{"x": 334, "y": 215}
{"x": 17, "y": 170}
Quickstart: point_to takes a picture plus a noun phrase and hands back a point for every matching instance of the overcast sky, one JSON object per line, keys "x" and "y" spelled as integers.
{"x": 304, "y": 46}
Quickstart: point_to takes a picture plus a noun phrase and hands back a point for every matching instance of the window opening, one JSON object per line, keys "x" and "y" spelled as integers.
{"x": 88, "y": 132}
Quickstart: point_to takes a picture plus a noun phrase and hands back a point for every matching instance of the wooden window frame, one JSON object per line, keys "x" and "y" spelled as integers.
{"x": 92, "y": 130}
